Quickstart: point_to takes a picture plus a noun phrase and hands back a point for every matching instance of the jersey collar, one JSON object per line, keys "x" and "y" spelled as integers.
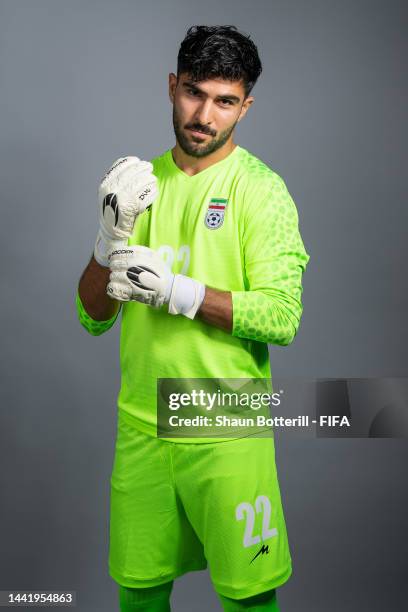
{"x": 216, "y": 166}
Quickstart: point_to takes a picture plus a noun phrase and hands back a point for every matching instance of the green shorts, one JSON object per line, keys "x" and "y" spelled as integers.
{"x": 176, "y": 507}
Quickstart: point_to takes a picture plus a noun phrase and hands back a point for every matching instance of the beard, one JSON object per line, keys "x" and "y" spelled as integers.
{"x": 199, "y": 149}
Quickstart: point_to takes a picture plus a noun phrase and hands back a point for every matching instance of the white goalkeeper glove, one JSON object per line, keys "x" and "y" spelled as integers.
{"x": 127, "y": 189}
{"x": 139, "y": 273}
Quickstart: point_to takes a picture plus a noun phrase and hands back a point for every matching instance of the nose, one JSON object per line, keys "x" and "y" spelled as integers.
{"x": 204, "y": 113}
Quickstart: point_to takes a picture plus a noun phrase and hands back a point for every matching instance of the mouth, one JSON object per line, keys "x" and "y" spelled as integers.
{"x": 198, "y": 134}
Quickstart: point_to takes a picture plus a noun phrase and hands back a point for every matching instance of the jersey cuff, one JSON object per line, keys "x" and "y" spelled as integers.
{"x": 93, "y": 327}
{"x": 257, "y": 316}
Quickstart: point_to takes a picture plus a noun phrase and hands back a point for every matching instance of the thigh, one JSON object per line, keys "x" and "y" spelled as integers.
{"x": 231, "y": 494}
{"x": 151, "y": 540}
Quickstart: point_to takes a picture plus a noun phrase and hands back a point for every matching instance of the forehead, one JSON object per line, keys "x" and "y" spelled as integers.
{"x": 215, "y": 86}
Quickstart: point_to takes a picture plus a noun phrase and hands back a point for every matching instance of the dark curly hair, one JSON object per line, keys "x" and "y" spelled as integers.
{"x": 219, "y": 51}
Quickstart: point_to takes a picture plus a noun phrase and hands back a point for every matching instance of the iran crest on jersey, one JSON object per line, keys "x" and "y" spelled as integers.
{"x": 214, "y": 216}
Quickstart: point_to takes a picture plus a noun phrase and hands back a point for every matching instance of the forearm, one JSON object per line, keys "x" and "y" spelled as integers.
{"x": 216, "y": 309}
{"x": 257, "y": 316}
{"x": 92, "y": 291}
{"x": 272, "y": 316}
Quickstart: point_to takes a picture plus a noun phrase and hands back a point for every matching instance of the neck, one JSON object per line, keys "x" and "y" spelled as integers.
{"x": 193, "y": 165}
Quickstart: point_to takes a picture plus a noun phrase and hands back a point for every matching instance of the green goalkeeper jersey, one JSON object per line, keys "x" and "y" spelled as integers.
{"x": 234, "y": 227}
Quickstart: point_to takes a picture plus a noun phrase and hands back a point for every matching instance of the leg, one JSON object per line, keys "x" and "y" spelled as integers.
{"x": 231, "y": 495}
{"x": 263, "y": 602}
{"x": 151, "y": 599}
{"x": 151, "y": 540}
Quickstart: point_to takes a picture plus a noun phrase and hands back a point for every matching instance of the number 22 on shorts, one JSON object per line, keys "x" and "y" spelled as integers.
{"x": 262, "y": 504}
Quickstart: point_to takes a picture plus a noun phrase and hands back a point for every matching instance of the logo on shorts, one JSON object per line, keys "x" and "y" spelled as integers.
{"x": 214, "y": 216}
{"x": 264, "y": 550}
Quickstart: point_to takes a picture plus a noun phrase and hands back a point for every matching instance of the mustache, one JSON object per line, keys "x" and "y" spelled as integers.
{"x": 200, "y": 128}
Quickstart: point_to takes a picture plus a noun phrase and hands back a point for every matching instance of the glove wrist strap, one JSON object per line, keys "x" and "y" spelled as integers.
{"x": 186, "y": 296}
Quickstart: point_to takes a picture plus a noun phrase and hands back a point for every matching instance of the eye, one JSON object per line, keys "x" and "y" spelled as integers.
{"x": 226, "y": 102}
{"x": 193, "y": 92}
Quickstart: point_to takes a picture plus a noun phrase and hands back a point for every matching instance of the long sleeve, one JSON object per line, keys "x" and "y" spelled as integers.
{"x": 274, "y": 260}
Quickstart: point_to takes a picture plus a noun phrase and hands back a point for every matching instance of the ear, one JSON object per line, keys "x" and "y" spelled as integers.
{"x": 172, "y": 86}
{"x": 245, "y": 107}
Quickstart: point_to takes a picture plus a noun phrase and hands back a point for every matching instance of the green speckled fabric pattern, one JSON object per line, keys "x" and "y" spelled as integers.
{"x": 274, "y": 259}
{"x": 95, "y": 328}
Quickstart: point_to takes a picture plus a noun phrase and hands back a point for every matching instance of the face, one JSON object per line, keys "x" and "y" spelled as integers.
{"x": 205, "y": 113}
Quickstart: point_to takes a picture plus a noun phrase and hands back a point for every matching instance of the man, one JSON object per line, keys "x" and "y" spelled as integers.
{"x": 201, "y": 251}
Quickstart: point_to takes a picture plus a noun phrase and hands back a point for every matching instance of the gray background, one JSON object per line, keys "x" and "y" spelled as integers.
{"x": 83, "y": 83}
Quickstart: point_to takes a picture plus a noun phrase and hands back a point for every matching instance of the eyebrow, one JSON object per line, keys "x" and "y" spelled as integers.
{"x": 231, "y": 97}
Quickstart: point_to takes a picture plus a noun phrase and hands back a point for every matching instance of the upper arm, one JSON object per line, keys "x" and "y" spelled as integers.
{"x": 274, "y": 261}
